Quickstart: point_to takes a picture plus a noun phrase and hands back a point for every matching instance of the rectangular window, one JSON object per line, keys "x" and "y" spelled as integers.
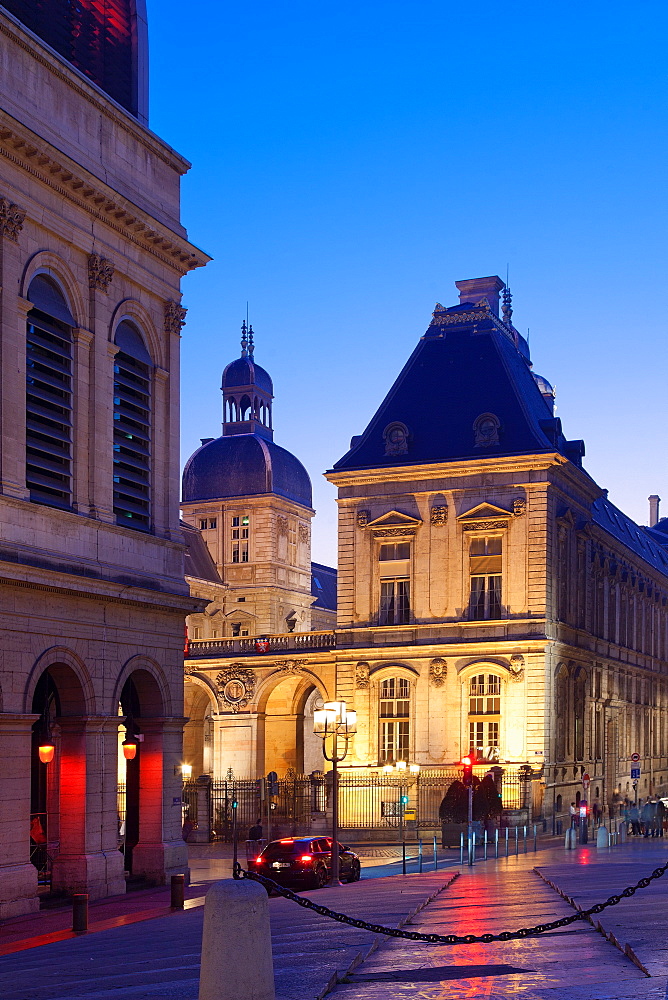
{"x": 394, "y": 602}
{"x": 485, "y": 574}
{"x": 395, "y": 550}
{"x": 483, "y": 736}
{"x": 240, "y": 539}
{"x": 213, "y": 522}
{"x": 393, "y": 741}
{"x": 197, "y": 633}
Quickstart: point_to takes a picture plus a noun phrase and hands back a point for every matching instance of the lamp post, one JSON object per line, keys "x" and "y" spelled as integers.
{"x": 339, "y": 724}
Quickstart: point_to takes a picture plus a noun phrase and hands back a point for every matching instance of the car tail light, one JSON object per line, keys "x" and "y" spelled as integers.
{"x": 258, "y": 861}
{"x": 306, "y": 857}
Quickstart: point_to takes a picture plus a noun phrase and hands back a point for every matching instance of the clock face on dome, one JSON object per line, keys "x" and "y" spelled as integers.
{"x": 99, "y": 37}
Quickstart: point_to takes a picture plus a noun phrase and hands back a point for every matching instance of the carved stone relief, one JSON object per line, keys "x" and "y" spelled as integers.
{"x": 100, "y": 272}
{"x": 303, "y": 533}
{"x": 282, "y": 525}
{"x": 175, "y": 316}
{"x": 516, "y": 667}
{"x": 11, "y": 219}
{"x": 363, "y": 518}
{"x": 362, "y": 675}
{"x": 438, "y": 670}
{"x": 439, "y": 514}
{"x": 519, "y": 506}
{"x": 291, "y": 666}
{"x": 236, "y": 686}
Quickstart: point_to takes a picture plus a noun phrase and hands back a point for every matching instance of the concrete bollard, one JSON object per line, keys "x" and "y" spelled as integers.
{"x": 623, "y": 833}
{"x": 176, "y": 891}
{"x": 602, "y": 838}
{"x": 236, "y": 943}
{"x": 570, "y": 839}
{"x": 80, "y": 912}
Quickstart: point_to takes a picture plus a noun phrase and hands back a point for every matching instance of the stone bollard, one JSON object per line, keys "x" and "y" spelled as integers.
{"x": 236, "y": 943}
{"x": 570, "y": 839}
{"x": 602, "y": 838}
{"x": 623, "y": 833}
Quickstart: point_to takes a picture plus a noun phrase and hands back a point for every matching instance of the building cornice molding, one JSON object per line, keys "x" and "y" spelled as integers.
{"x": 502, "y": 465}
{"x": 41, "y": 52}
{"x": 72, "y": 181}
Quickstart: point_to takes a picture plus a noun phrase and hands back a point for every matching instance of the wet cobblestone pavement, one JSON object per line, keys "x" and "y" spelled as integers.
{"x": 575, "y": 962}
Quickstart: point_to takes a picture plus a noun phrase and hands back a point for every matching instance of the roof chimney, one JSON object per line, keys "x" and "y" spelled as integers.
{"x": 654, "y": 502}
{"x": 474, "y": 289}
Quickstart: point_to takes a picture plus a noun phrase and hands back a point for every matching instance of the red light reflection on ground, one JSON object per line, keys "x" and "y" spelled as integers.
{"x": 584, "y": 857}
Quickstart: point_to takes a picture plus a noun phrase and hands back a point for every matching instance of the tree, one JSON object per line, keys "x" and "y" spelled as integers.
{"x": 455, "y": 805}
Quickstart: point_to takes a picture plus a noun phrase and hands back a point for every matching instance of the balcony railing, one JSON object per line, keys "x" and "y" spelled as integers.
{"x": 277, "y": 643}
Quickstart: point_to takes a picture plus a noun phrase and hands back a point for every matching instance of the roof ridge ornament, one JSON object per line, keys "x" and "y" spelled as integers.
{"x": 244, "y": 340}
{"x": 251, "y": 342}
{"x": 507, "y": 307}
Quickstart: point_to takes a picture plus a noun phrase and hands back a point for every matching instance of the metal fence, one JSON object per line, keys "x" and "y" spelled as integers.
{"x": 374, "y": 801}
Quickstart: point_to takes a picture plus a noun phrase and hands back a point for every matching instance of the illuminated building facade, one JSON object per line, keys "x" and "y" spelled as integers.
{"x": 93, "y": 592}
{"x": 490, "y": 597}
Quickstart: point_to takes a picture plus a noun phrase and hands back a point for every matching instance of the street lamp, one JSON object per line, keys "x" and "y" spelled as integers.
{"x": 337, "y": 722}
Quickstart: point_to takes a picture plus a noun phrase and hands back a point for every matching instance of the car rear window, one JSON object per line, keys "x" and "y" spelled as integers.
{"x": 278, "y": 850}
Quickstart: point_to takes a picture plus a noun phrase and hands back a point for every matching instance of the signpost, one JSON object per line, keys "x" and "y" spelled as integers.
{"x": 635, "y": 774}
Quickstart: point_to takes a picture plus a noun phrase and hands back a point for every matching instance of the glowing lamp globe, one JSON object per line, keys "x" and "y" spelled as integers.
{"x": 129, "y": 748}
{"x": 46, "y": 751}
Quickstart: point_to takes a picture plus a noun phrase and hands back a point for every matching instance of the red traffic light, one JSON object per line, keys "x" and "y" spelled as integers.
{"x": 467, "y": 777}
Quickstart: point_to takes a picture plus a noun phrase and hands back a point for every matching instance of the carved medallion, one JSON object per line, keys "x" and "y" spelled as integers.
{"x": 438, "y": 669}
{"x": 100, "y": 272}
{"x": 362, "y": 675}
{"x": 175, "y": 316}
{"x": 486, "y": 430}
{"x": 236, "y": 686}
{"x": 11, "y": 219}
{"x": 396, "y": 438}
{"x": 516, "y": 667}
{"x": 439, "y": 514}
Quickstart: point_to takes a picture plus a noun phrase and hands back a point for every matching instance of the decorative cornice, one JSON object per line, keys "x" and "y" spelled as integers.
{"x": 11, "y": 219}
{"x": 483, "y": 525}
{"x": 98, "y": 199}
{"x": 175, "y": 317}
{"x": 478, "y": 312}
{"x": 458, "y": 468}
{"x": 100, "y": 272}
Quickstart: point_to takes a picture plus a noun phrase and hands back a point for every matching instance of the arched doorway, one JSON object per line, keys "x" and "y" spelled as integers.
{"x": 198, "y": 707}
{"x": 141, "y": 705}
{"x": 58, "y": 786}
{"x": 289, "y": 741}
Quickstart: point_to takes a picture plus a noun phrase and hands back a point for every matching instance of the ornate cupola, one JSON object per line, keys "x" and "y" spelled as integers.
{"x": 247, "y": 393}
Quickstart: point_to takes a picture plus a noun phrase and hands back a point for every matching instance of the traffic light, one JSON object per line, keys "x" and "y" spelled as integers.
{"x": 234, "y": 803}
{"x": 404, "y": 800}
{"x": 467, "y": 778}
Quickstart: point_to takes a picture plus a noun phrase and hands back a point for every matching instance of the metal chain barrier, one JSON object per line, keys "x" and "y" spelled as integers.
{"x": 396, "y": 932}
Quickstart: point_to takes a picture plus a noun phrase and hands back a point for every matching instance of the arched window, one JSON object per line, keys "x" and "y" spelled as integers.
{"x": 560, "y": 713}
{"x": 484, "y": 715}
{"x": 579, "y": 690}
{"x": 132, "y": 429}
{"x": 394, "y": 720}
{"x": 49, "y": 395}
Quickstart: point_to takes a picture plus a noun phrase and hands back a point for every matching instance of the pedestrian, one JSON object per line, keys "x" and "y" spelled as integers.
{"x": 646, "y": 816}
{"x": 573, "y": 813}
{"x": 255, "y": 832}
{"x": 634, "y": 819}
{"x": 660, "y": 817}
{"x": 596, "y": 812}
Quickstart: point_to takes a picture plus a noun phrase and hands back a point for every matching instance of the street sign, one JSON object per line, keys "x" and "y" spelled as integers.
{"x": 635, "y": 774}
{"x": 635, "y": 757}
{"x": 585, "y": 781}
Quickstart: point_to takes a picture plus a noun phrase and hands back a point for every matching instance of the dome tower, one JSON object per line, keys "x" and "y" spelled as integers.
{"x": 251, "y": 500}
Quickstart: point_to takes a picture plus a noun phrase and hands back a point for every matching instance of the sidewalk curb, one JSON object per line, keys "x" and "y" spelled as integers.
{"x": 624, "y": 947}
{"x": 341, "y": 977}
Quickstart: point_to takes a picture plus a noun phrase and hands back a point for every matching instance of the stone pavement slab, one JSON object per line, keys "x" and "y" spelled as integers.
{"x": 159, "y": 959}
{"x": 637, "y": 925}
{"x": 574, "y": 962}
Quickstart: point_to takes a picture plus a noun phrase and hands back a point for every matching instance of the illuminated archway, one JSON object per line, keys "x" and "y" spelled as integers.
{"x": 285, "y": 737}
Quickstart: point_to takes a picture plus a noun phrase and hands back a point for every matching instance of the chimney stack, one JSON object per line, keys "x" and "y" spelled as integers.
{"x": 474, "y": 289}
{"x": 654, "y": 502}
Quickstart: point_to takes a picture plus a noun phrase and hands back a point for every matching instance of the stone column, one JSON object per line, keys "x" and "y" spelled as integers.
{"x": 18, "y": 877}
{"x": 13, "y": 311}
{"x": 160, "y": 851}
{"x": 88, "y": 859}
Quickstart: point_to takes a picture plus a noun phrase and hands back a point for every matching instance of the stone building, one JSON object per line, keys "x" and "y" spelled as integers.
{"x": 490, "y": 597}
{"x": 249, "y": 501}
{"x": 93, "y": 592}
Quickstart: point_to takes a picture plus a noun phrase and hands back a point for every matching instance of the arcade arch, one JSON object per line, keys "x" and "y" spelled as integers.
{"x": 285, "y": 726}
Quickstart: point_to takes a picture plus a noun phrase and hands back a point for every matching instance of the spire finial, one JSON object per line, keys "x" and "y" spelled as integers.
{"x": 244, "y": 340}
{"x": 507, "y": 307}
{"x": 251, "y": 342}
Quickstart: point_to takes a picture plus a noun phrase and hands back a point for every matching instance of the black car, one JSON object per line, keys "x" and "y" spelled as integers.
{"x": 305, "y": 862}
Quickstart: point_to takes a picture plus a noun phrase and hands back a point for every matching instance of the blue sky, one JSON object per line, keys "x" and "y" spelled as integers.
{"x": 351, "y": 161}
